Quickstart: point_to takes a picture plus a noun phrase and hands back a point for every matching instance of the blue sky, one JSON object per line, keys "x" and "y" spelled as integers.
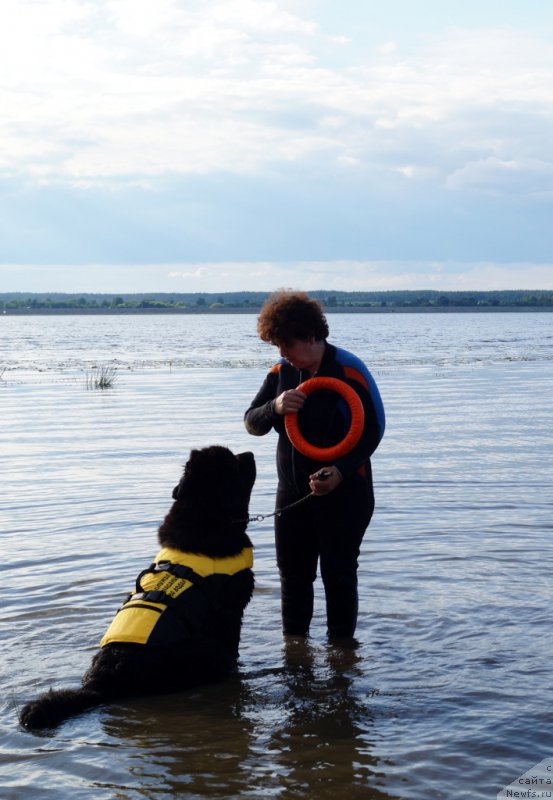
{"x": 185, "y": 145}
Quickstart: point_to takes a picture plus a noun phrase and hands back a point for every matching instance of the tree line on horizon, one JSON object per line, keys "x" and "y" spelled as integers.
{"x": 206, "y": 301}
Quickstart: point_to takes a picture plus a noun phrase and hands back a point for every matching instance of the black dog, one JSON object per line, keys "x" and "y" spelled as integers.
{"x": 181, "y": 626}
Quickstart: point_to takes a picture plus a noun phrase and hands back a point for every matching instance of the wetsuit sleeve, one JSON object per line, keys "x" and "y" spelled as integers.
{"x": 261, "y": 416}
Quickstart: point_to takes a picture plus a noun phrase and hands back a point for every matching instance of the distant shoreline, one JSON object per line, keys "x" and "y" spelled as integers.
{"x": 87, "y": 312}
{"x": 424, "y": 301}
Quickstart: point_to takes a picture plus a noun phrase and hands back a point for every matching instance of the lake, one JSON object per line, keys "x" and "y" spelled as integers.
{"x": 449, "y": 694}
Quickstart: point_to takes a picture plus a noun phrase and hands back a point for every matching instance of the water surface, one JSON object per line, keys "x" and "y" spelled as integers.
{"x": 449, "y": 693}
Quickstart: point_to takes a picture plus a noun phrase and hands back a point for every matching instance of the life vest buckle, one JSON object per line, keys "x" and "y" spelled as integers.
{"x": 156, "y": 596}
{"x": 179, "y": 571}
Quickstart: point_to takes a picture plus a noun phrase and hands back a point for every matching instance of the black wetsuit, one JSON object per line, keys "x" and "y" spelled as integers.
{"x": 328, "y": 527}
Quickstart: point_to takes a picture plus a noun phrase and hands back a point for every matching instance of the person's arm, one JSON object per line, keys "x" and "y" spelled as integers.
{"x": 261, "y": 415}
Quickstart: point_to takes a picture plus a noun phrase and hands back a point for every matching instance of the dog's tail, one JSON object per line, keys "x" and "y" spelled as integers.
{"x": 56, "y": 705}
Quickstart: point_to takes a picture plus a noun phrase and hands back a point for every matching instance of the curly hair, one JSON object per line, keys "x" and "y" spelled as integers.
{"x": 289, "y": 315}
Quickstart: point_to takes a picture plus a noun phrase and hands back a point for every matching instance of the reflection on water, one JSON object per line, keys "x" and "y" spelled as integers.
{"x": 448, "y": 694}
{"x": 299, "y": 730}
{"x": 320, "y": 740}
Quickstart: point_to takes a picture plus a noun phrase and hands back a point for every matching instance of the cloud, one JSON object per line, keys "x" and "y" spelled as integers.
{"x": 264, "y": 17}
{"x": 497, "y": 176}
{"x": 267, "y": 276}
{"x": 199, "y": 273}
{"x": 265, "y": 133}
{"x": 122, "y": 89}
{"x": 365, "y": 276}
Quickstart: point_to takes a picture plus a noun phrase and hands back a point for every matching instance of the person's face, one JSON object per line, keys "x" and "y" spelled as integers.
{"x": 301, "y": 353}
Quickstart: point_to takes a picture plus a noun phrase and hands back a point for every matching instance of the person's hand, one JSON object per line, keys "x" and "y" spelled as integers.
{"x": 290, "y": 401}
{"x": 325, "y": 480}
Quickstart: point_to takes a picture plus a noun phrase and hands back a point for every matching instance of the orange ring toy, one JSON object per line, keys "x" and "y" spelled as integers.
{"x": 355, "y": 429}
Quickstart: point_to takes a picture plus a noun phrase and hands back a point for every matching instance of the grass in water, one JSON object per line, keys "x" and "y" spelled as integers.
{"x": 101, "y": 378}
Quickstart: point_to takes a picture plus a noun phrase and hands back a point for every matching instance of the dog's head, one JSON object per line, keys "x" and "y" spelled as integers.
{"x": 216, "y": 478}
{"x": 211, "y": 501}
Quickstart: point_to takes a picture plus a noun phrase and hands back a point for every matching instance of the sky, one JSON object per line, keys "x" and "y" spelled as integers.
{"x": 187, "y": 145}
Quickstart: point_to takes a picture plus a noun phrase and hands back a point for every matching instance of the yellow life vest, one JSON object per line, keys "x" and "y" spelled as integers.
{"x": 172, "y": 573}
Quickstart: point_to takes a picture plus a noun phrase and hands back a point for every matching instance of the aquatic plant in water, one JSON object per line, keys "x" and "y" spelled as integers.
{"x": 102, "y": 377}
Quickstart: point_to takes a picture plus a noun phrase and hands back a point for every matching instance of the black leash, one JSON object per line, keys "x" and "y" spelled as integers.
{"x": 277, "y": 512}
{"x": 322, "y": 476}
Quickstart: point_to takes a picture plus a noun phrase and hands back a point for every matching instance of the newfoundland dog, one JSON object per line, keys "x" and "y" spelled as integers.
{"x": 180, "y": 626}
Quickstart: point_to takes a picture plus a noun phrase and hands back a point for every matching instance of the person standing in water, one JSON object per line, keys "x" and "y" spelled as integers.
{"x": 328, "y": 528}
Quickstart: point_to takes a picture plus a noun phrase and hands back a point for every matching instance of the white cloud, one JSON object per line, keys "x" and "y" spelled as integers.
{"x": 258, "y": 16}
{"x": 363, "y": 276}
{"x": 199, "y": 273}
{"x": 486, "y": 276}
{"x": 120, "y": 88}
{"x": 268, "y": 276}
{"x": 497, "y": 176}
{"x": 141, "y": 18}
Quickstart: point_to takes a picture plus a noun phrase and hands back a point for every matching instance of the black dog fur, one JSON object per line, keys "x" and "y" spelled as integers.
{"x": 209, "y": 517}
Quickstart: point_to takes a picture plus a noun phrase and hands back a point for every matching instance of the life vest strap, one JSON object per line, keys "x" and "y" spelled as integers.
{"x": 154, "y": 596}
{"x": 178, "y": 570}
{"x": 144, "y": 605}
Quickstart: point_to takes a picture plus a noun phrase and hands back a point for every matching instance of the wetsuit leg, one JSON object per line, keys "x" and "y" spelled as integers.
{"x": 297, "y": 556}
{"x": 342, "y": 522}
